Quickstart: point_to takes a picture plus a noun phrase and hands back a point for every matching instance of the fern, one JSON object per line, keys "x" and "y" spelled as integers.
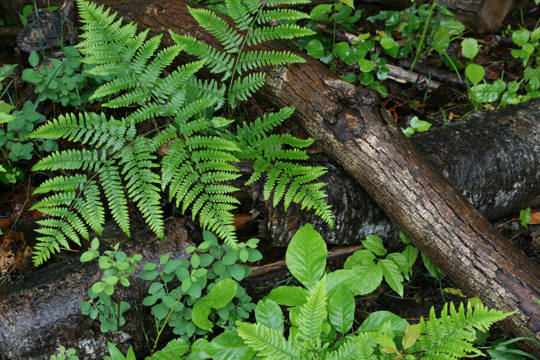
{"x": 452, "y": 335}
{"x": 121, "y": 166}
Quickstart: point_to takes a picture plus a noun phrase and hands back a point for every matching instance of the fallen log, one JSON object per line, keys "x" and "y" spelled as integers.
{"x": 355, "y": 130}
{"x": 490, "y": 157}
{"x": 42, "y": 313}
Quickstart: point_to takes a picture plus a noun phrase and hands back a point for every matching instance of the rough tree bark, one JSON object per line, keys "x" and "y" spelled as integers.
{"x": 356, "y": 131}
{"x": 42, "y": 313}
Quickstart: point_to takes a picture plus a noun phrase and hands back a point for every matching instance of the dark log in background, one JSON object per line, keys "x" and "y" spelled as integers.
{"x": 492, "y": 158}
{"x": 40, "y": 314}
{"x": 353, "y": 129}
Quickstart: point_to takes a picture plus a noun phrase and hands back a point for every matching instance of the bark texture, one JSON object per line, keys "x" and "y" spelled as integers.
{"x": 353, "y": 128}
{"x": 39, "y": 315}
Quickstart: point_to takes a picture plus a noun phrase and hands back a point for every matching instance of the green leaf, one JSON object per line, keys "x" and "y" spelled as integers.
{"x": 402, "y": 263}
{"x": 432, "y": 268}
{"x": 348, "y": 2}
{"x": 174, "y": 348}
{"x": 288, "y": 295}
{"x": 33, "y": 59}
{"x": 221, "y": 294}
{"x": 469, "y": 47}
{"x": 367, "y": 278}
{"x": 520, "y": 37}
{"x": 392, "y": 275}
{"x": 411, "y": 253}
{"x": 269, "y": 314}
{"x": 306, "y": 256}
{"x": 375, "y": 244}
{"x": 475, "y": 73}
{"x": 366, "y": 65}
{"x": 375, "y": 320}
{"x": 419, "y": 125}
{"x": 315, "y": 48}
{"x": 98, "y": 287}
{"x": 485, "y": 93}
{"x": 341, "y": 308}
{"x": 360, "y": 257}
{"x": 525, "y": 217}
{"x": 230, "y": 345}
{"x": 237, "y": 271}
{"x": 6, "y": 71}
{"x": 199, "y": 315}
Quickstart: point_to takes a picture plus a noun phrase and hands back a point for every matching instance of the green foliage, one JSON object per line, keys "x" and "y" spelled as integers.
{"x": 65, "y": 354}
{"x": 525, "y": 217}
{"x": 201, "y": 149}
{"x": 416, "y": 126}
{"x": 117, "y": 268}
{"x": 329, "y": 306}
{"x": 209, "y": 291}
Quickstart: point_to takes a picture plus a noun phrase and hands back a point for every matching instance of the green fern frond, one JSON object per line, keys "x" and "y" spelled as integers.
{"x": 114, "y": 192}
{"x": 274, "y": 3}
{"x": 281, "y": 15}
{"x": 452, "y": 335}
{"x": 90, "y": 128}
{"x": 207, "y": 89}
{"x": 62, "y": 183}
{"x": 140, "y": 180}
{"x": 277, "y": 32}
{"x": 90, "y": 207}
{"x": 134, "y": 97}
{"x": 229, "y": 38}
{"x": 115, "y": 86}
{"x": 313, "y": 312}
{"x": 192, "y": 109}
{"x": 218, "y": 62}
{"x": 255, "y": 59}
{"x": 243, "y": 88}
{"x": 144, "y": 113}
{"x": 176, "y": 80}
{"x": 71, "y": 159}
{"x": 268, "y": 342}
{"x": 240, "y": 14}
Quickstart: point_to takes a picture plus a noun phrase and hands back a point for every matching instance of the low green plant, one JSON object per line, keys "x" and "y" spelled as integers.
{"x": 28, "y": 9}
{"x": 525, "y": 217}
{"x": 200, "y": 147}
{"x": 65, "y": 354}
{"x": 209, "y": 292}
{"x": 328, "y": 305}
{"x": 66, "y": 81}
{"x": 117, "y": 268}
{"x": 416, "y": 126}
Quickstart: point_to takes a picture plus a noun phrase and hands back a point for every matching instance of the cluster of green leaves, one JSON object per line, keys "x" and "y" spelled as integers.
{"x": 209, "y": 285}
{"x": 65, "y": 354}
{"x": 499, "y": 91}
{"x": 320, "y": 309}
{"x": 433, "y": 22}
{"x": 417, "y": 125}
{"x": 117, "y": 268}
{"x": 63, "y": 80}
{"x": 200, "y": 148}
{"x": 328, "y": 305}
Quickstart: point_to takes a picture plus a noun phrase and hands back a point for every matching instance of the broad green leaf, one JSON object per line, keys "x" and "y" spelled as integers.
{"x": 360, "y": 257}
{"x": 375, "y": 244}
{"x": 341, "y": 308}
{"x": 348, "y": 2}
{"x": 411, "y": 253}
{"x": 306, "y": 256}
{"x": 368, "y": 278}
{"x": 469, "y": 47}
{"x": 199, "y": 315}
{"x": 376, "y": 320}
{"x": 33, "y": 59}
{"x": 289, "y": 295}
{"x": 269, "y": 314}
{"x": 484, "y": 93}
{"x": 6, "y": 70}
{"x": 432, "y": 268}
{"x": 392, "y": 275}
{"x": 338, "y": 277}
{"x": 221, "y": 294}
{"x": 402, "y": 263}
{"x": 411, "y": 335}
{"x": 174, "y": 348}
{"x": 115, "y": 353}
{"x": 419, "y": 125}
{"x": 386, "y": 342}
{"x": 366, "y": 65}
{"x": 475, "y": 73}
{"x": 520, "y": 37}
{"x": 315, "y": 49}
{"x": 230, "y": 345}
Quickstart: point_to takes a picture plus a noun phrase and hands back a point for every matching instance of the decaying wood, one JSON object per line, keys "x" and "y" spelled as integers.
{"x": 40, "y": 314}
{"x": 353, "y": 128}
{"x": 492, "y": 158}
